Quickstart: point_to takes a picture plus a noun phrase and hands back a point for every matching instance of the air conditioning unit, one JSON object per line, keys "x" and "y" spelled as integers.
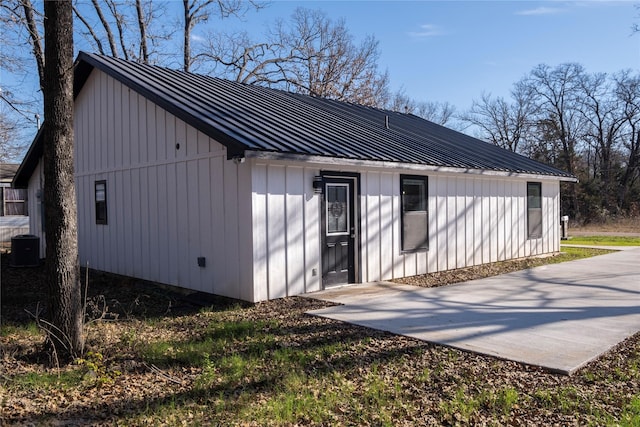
{"x": 25, "y": 251}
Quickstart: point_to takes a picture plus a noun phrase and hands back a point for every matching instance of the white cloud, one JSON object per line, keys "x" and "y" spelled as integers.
{"x": 427, "y": 30}
{"x": 540, "y": 11}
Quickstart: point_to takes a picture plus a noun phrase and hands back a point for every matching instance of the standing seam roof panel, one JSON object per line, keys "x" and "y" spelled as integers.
{"x": 246, "y": 117}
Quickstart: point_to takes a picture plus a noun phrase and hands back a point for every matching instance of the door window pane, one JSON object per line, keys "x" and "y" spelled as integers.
{"x": 337, "y": 213}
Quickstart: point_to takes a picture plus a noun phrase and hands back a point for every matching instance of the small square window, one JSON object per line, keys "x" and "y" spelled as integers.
{"x": 101, "y": 202}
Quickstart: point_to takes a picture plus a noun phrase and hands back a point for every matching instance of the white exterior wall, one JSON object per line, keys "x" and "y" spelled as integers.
{"x": 258, "y": 223}
{"x": 167, "y": 206}
{"x": 286, "y": 231}
{"x": 473, "y": 220}
{"x": 34, "y": 204}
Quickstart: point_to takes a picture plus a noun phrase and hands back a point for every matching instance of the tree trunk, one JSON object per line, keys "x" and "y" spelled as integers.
{"x": 142, "y": 26}
{"x": 65, "y": 302}
{"x": 186, "y": 53}
{"x": 34, "y": 38}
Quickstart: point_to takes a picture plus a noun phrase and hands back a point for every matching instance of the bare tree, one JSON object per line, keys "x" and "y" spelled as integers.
{"x": 238, "y": 58}
{"x": 10, "y": 146}
{"x": 199, "y": 11}
{"x": 330, "y": 64}
{"x": 603, "y": 123}
{"x": 142, "y": 26}
{"x": 21, "y": 53}
{"x": 106, "y": 26}
{"x": 438, "y": 112}
{"x": 556, "y": 95}
{"x": 402, "y": 103}
{"x": 34, "y": 37}
{"x": 60, "y": 202}
{"x": 139, "y": 39}
{"x": 627, "y": 90}
{"x": 309, "y": 54}
{"x": 506, "y": 124}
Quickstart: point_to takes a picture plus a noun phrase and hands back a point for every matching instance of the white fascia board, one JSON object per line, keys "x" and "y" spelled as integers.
{"x": 336, "y": 161}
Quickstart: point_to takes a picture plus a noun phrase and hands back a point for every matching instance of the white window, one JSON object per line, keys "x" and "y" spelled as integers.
{"x": 415, "y": 233}
{"x": 534, "y": 210}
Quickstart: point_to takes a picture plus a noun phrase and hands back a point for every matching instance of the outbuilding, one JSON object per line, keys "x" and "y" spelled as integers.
{"x": 255, "y": 193}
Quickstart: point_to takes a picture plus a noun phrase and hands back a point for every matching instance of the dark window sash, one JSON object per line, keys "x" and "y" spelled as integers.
{"x": 101, "y": 201}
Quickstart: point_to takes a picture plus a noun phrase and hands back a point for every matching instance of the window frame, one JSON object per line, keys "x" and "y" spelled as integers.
{"x": 101, "y": 206}
{"x": 425, "y": 203}
{"x": 327, "y": 207}
{"x": 534, "y": 235}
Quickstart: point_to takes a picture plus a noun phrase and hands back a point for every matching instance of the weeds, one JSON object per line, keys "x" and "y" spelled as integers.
{"x": 96, "y": 370}
{"x": 631, "y": 413}
{"x": 459, "y": 409}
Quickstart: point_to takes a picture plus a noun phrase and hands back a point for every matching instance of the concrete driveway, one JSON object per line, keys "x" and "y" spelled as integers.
{"x": 558, "y": 316}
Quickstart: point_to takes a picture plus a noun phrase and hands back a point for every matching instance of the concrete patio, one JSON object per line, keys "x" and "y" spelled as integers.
{"x": 558, "y": 316}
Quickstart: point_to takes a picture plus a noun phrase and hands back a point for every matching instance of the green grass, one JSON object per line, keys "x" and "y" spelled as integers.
{"x": 604, "y": 241}
{"x": 236, "y": 368}
{"x": 571, "y": 254}
{"x": 631, "y": 413}
{"x": 218, "y": 340}
{"x": 28, "y": 330}
{"x": 44, "y": 381}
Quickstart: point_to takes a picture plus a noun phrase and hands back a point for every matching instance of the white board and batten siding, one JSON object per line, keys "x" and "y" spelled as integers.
{"x": 172, "y": 195}
{"x": 34, "y": 206}
{"x": 286, "y": 230}
{"x": 473, "y": 220}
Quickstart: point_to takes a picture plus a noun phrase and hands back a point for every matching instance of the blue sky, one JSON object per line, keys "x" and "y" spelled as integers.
{"x": 454, "y": 50}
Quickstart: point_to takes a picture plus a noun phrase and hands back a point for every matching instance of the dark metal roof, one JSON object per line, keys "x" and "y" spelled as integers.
{"x": 254, "y": 118}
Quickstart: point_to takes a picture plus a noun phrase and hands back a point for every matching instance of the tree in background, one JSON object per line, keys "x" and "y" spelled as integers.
{"x": 130, "y": 29}
{"x": 199, "y": 11}
{"x": 627, "y": 91}
{"x": 441, "y": 113}
{"x": 603, "y": 124}
{"x": 19, "y": 109}
{"x": 309, "y": 54}
{"x": 585, "y": 123}
{"x": 505, "y": 123}
{"x": 10, "y": 147}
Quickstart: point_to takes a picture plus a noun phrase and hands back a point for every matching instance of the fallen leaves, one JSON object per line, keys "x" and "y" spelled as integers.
{"x": 359, "y": 376}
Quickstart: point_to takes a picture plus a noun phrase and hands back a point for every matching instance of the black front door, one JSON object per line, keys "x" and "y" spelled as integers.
{"x": 338, "y": 230}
